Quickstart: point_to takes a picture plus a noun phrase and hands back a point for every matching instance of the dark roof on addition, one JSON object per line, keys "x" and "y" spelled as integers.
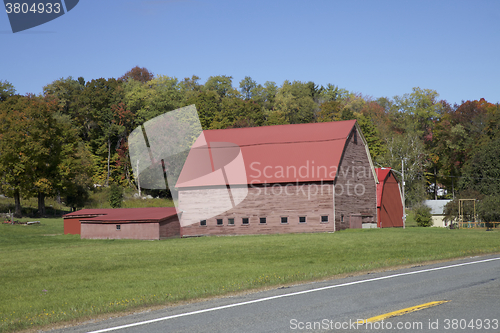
{"x": 147, "y": 214}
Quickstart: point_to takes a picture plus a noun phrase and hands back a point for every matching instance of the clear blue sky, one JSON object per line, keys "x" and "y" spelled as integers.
{"x": 373, "y": 47}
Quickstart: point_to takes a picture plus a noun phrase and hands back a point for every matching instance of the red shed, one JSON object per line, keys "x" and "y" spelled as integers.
{"x": 389, "y": 199}
{"x": 72, "y": 223}
{"x": 124, "y": 223}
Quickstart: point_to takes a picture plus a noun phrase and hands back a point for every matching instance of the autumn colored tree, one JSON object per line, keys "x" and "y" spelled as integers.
{"x": 33, "y": 149}
{"x": 14, "y": 161}
{"x": 456, "y": 137}
{"x": 137, "y": 73}
{"x": 330, "y": 111}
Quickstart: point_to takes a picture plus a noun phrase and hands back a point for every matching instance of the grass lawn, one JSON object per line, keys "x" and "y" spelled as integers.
{"x": 49, "y": 277}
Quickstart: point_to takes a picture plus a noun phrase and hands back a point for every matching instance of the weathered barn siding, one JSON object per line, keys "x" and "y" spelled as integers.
{"x": 139, "y": 230}
{"x": 328, "y": 153}
{"x": 170, "y": 227}
{"x": 355, "y": 186}
{"x": 309, "y": 200}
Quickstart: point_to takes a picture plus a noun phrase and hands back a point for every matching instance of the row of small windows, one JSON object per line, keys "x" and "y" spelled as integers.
{"x": 262, "y": 220}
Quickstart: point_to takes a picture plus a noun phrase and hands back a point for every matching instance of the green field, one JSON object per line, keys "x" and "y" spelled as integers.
{"x": 49, "y": 277}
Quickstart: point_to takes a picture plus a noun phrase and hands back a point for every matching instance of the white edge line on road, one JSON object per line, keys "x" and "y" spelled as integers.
{"x": 287, "y": 295}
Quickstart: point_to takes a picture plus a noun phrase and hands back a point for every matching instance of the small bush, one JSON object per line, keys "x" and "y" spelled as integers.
{"x": 489, "y": 210}
{"x": 423, "y": 216}
{"x": 115, "y": 196}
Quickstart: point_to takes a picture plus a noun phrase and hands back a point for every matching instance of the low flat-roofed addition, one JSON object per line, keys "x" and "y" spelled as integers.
{"x": 119, "y": 223}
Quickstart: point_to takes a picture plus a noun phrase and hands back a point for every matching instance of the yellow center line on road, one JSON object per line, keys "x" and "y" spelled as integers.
{"x": 401, "y": 312}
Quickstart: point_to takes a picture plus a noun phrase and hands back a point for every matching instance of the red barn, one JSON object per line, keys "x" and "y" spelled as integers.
{"x": 389, "y": 200}
{"x": 123, "y": 223}
{"x": 314, "y": 177}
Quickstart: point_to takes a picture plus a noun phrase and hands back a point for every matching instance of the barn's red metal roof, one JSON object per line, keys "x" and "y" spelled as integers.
{"x": 146, "y": 214}
{"x": 267, "y": 154}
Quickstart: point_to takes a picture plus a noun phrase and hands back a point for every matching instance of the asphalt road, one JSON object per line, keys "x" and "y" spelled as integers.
{"x": 471, "y": 286}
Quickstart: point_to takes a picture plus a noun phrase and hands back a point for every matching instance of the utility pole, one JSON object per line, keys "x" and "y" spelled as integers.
{"x": 404, "y": 198}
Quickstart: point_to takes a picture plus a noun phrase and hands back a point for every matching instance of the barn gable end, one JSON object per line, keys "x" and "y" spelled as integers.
{"x": 355, "y": 186}
{"x": 389, "y": 200}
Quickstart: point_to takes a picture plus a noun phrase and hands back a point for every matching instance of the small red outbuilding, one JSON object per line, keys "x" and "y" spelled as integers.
{"x": 123, "y": 223}
{"x": 389, "y": 199}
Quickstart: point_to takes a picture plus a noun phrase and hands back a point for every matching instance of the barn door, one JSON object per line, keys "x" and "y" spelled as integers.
{"x": 355, "y": 222}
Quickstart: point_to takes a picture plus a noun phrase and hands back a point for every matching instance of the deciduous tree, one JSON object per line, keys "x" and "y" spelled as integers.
{"x": 137, "y": 73}
{"x": 6, "y": 90}
{"x": 293, "y": 104}
{"x": 35, "y": 148}
{"x": 247, "y": 85}
{"x": 222, "y": 85}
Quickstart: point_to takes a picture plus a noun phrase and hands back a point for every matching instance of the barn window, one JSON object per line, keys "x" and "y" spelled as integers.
{"x": 355, "y": 135}
{"x": 262, "y": 220}
{"x": 324, "y": 218}
{"x": 284, "y": 219}
{"x": 302, "y": 219}
{"x": 203, "y": 222}
{"x": 118, "y": 227}
{"x": 244, "y": 220}
{"x": 219, "y": 222}
{"x": 341, "y": 218}
{"x": 230, "y": 221}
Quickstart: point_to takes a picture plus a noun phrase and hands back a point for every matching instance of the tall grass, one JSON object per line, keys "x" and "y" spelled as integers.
{"x": 49, "y": 277}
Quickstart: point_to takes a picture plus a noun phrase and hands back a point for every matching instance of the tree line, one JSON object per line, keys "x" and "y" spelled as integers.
{"x": 73, "y": 137}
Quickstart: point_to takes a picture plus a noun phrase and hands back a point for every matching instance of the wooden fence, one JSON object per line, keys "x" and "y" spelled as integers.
{"x": 477, "y": 225}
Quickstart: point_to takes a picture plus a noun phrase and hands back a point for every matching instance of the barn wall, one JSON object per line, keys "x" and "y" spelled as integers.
{"x": 310, "y": 200}
{"x": 170, "y": 228}
{"x": 355, "y": 187}
{"x": 391, "y": 207}
{"x": 72, "y": 226}
{"x": 127, "y": 230}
